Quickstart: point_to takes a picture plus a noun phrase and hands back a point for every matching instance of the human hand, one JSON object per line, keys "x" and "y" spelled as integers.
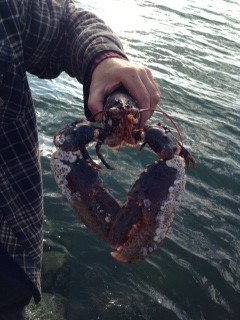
{"x": 113, "y": 72}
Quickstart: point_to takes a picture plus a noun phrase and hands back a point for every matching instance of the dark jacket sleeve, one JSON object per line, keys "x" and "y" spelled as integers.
{"x": 59, "y": 37}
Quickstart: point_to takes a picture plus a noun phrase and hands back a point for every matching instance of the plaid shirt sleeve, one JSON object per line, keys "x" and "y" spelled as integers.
{"x": 59, "y": 37}
{"x": 43, "y": 37}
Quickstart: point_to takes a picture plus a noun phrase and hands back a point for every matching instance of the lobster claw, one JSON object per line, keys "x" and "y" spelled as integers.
{"x": 79, "y": 182}
{"x": 144, "y": 220}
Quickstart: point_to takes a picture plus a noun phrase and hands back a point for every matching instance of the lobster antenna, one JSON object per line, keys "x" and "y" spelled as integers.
{"x": 144, "y": 110}
{"x": 97, "y": 113}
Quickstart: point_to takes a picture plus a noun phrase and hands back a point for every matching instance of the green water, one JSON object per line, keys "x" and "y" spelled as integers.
{"x": 193, "y": 50}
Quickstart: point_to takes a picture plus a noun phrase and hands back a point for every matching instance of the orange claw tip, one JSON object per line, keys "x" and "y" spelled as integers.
{"x": 119, "y": 257}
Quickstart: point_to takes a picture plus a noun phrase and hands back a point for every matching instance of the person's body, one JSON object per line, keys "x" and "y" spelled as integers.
{"x": 46, "y": 37}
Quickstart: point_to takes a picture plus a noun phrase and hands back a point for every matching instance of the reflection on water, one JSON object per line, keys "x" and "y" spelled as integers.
{"x": 193, "y": 51}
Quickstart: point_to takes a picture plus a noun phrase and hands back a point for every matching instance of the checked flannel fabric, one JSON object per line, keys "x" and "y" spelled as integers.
{"x": 43, "y": 37}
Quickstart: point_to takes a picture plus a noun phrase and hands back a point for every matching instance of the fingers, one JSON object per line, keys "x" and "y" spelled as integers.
{"x": 104, "y": 80}
{"x": 143, "y": 89}
{"x": 138, "y": 80}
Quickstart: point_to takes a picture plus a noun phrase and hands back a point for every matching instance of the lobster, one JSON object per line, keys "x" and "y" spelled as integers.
{"x": 135, "y": 229}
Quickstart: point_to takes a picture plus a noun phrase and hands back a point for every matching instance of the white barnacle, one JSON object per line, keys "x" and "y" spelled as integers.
{"x": 142, "y": 135}
{"x": 96, "y": 133}
{"x": 177, "y": 163}
{"x": 61, "y": 139}
{"x": 168, "y": 207}
{"x": 147, "y": 203}
{"x": 144, "y": 251}
{"x": 176, "y": 182}
{"x": 108, "y": 218}
{"x": 78, "y": 154}
{"x": 69, "y": 157}
{"x": 60, "y": 170}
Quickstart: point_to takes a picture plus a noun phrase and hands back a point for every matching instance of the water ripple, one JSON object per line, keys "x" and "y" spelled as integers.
{"x": 193, "y": 50}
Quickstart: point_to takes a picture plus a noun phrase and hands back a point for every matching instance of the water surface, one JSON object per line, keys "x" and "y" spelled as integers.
{"x": 192, "y": 48}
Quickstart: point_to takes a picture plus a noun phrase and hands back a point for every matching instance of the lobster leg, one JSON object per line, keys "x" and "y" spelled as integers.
{"x": 100, "y": 156}
{"x": 88, "y": 159}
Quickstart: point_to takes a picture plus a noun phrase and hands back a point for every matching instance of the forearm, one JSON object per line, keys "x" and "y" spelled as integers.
{"x": 58, "y": 38}
{"x": 88, "y": 36}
